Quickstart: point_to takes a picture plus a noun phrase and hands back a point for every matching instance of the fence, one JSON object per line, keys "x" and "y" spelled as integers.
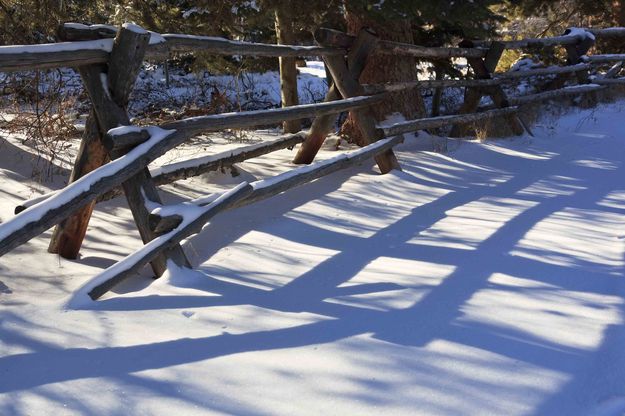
{"x": 114, "y": 154}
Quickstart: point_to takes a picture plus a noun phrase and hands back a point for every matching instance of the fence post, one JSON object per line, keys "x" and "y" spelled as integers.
{"x": 574, "y": 55}
{"x": 288, "y": 68}
{"x": 108, "y": 110}
{"x": 68, "y": 236}
{"x": 483, "y": 69}
{"x": 347, "y": 86}
{"x": 323, "y": 125}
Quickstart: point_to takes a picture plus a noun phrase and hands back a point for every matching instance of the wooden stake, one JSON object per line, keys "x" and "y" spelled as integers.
{"x": 347, "y": 86}
{"x": 364, "y": 118}
{"x": 288, "y": 68}
{"x": 109, "y": 94}
{"x": 574, "y": 54}
{"x": 68, "y": 236}
{"x": 483, "y": 69}
{"x": 324, "y": 125}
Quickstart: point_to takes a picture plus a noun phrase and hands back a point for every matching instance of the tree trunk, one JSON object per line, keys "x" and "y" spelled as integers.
{"x": 385, "y": 68}
{"x": 618, "y": 12}
{"x": 288, "y": 70}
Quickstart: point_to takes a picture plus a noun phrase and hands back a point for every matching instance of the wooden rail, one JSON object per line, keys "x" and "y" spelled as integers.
{"x": 569, "y": 38}
{"x": 563, "y": 92}
{"x": 191, "y": 127}
{"x": 410, "y": 126}
{"x": 615, "y": 81}
{"x": 172, "y": 172}
{"x": 605, "y": 58}
{"x": 543, "y": 71}
{"x": 220, "y": 46}
{"x": 611, "y": 32}
{"x": 190, "y": 225}
{"x": 499, "y": 78}
{"x": 533, "y": 42}
{"x": 343, "y": 40}
{"x": 54, "y": 55}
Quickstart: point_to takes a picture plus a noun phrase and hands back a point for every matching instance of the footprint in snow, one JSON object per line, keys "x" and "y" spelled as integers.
{"x": 188, "y": 314}
{"x": 5, "y": 289}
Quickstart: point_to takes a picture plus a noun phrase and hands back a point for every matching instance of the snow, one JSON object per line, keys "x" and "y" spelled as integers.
{"x": 488, "y": 280}
{"x": 313, "y": 166}
{"x": 248, "y": 91}
{"x": 134, "y": 28}
{"x": 37, "y": 199}
{"x": 35, "y": 212}
{"x": 525, "y": 64}
{"x": 189, "y": 214}
{"x": 155, "y": 38}
{"x": 581, "y": 86}
{"x": 193, "y": 162}
{"x": 81, "y": 26}
{"x": 193, "y": 10}
{"x": 202, "y": 90}
{"x": 100, "y": 44}
{"x": 124, "y": 130}
{"x": 580, "y": 33}
{"x": 104, "y": 80}
{"x": 314, "y": 68}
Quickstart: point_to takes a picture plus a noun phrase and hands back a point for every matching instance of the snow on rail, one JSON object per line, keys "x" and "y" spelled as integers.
{"x": 190, "y": 214}
{"x": 41, "y": 216}
{"x": 105, "y": 45}
{"x": 213, "y": 158}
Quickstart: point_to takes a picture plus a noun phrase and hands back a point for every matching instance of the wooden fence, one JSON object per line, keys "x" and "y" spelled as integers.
{"x": 114, "y": 159}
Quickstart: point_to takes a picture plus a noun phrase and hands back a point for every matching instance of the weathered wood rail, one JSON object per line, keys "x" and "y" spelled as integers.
{"x": 114, "y": 160}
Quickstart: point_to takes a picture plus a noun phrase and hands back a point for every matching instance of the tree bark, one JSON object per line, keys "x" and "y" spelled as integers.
{"x": 619, "y": 12}
{"x": 288, "y": 70}
{"x": 386, "y": 68}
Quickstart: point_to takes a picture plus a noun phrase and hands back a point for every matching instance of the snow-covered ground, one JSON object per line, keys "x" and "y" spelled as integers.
{"x": 488, "y": 280}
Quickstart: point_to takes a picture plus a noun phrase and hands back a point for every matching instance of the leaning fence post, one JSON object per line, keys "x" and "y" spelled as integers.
{"x": 324, "y": 125}
{"x": 575, "y": 52}
{"x": 109, "y": 88}
{"x": 483, "y": 69}
{"x": 349, "y": 87}
{"x": 68, "y": 236}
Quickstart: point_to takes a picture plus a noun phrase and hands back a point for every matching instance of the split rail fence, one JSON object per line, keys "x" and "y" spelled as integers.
{"x": 114, "y": 155}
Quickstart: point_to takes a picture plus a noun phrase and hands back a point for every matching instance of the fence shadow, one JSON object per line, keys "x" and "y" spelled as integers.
{"x": 440, "y": 309}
